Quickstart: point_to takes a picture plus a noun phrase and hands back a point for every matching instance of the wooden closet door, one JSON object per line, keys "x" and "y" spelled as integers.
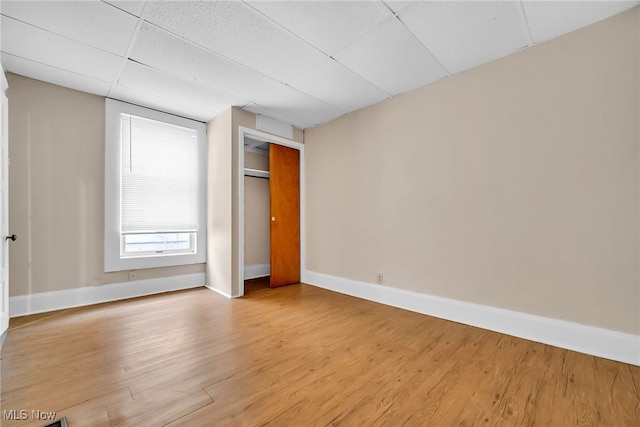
{"x": 284, "y": 187}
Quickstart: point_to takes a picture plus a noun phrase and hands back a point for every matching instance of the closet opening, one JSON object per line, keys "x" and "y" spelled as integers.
{"x": 271, "y": 211}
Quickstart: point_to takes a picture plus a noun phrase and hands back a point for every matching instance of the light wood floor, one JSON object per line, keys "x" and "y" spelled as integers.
{"x": 297, "y": 356}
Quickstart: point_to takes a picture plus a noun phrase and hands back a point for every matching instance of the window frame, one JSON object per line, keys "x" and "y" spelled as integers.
{"x": 113, "y": 261}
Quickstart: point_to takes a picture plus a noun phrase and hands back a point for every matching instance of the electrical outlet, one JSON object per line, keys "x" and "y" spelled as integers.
{"x": 379, "y": 278}
{"x": 133, "y": 275}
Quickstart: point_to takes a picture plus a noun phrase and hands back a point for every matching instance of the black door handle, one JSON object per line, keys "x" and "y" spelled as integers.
{"x": 13, "y": 237}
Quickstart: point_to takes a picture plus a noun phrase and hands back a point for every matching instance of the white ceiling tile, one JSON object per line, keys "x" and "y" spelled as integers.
{"x": 164, "y": 51}
{"x": 132, "y": 6}
{"x": 331, "y": 82}
{"x": 46, "y": 73}
{"x": 392, "y": 58}
{"x": 550, "y": 19}
{"x": 328, "y": 25}
{"x": 95, "y": 23}
{"x": 260, "y": 45}
{"x": 41, "y": 46}
{"x": 169, "y": 89}
{"x": 300, "y": 108}
{"x": 463, "y": 34}
{"x": 236, "y": 31}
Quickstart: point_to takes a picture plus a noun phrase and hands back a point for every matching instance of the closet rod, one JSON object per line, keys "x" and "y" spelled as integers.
{"x": 256, "y": 173}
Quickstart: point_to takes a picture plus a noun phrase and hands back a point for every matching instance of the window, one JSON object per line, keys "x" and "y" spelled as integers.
{"x": 154, "y": 188}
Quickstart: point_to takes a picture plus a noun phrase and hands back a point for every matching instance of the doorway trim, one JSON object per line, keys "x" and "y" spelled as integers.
{"x": 4, "y": 208}
{"x": 265, "y": 137}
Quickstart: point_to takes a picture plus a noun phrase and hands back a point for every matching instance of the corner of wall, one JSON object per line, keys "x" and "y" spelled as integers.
{"x": 219, "y": 275}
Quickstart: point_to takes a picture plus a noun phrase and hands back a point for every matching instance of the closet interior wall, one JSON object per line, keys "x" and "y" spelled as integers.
{"x": 256, "y": 216}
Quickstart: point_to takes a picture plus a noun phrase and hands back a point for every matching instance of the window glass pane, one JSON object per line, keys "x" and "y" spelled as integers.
{"x": 157, "y": 243}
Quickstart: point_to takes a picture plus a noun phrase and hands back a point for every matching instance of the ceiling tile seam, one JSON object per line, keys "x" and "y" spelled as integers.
{"x": 218, "y": 54}
{"x": 526, "y": 23}
{"x": 129, "y": 49}
{"x": 389, "y": 7}
{"x": 327, "y": 54}
{"x": 392, "y": 11}
{"x": 120, "y": 9}
{"x": 370, "y": 30}
{"x": 284, "y": 28}
{"x": 449, "y": 73}
{"x": 311, "y": 96}
{"x": 304, "y": 70}
{"x": 196, "y": 83}
{"x": 60, "y": 35}
{"x": 54, "y": 67}
{"x": 352, "y": 42}
{"x": 360, "y": 76}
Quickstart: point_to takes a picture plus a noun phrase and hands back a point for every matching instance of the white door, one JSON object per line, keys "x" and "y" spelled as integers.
{"x": 4, "y": 208}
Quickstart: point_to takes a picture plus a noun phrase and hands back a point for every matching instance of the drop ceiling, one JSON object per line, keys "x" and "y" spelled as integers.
{"x": 301, "y": 62}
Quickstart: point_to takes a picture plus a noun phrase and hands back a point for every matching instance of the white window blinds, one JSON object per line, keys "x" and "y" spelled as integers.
{"x": 159, "y": 186}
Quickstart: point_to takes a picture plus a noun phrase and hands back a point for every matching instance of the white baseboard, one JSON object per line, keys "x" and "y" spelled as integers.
{"x": 3, "y": 337}
{"x": 256, "y": 270}
{"x": 224, "y": 294}
{"x": 23, "y": 305}
{"x": 590, "y": 340}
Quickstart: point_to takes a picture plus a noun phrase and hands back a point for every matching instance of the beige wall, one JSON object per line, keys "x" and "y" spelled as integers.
{"x": 257, "y": 227}
{"x": 219, "y": 203}
{"x": 514, "y": 185}
{"x": 56, "y": 190}
{"x": 257, "y": 161}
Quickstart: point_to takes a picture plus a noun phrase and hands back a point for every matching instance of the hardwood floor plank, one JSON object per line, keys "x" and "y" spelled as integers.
{"x": 93, "y": 413}
{"x": 199, "y": 418}
{"x": 297, "y": 355}
{"x": 156, "y": 408}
